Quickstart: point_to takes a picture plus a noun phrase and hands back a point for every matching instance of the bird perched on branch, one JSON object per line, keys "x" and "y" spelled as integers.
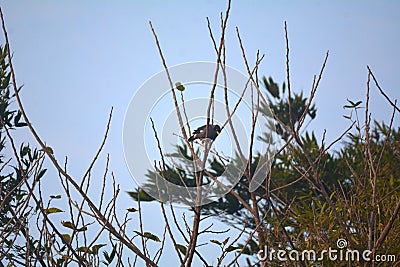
{"x": 200, "y": 133}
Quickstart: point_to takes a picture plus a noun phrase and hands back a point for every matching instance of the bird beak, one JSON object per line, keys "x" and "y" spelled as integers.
{"x": 218, "y": 132}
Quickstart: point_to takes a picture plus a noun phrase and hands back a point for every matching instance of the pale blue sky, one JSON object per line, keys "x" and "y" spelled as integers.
{"x": 79, "y": 58}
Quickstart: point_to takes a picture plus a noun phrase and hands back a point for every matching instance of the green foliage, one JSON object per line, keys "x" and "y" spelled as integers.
{"x": 307, "y": 219}
{"x": 279, "y": 105}
{"x": 13, "y": 175}
{"x": 297, "y": 215}
{"x": 109, "y": 257}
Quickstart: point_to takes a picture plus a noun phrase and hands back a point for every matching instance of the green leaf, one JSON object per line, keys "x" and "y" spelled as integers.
{"x": 69, "y": 225}
{"x": 6, "y": 81}
{"x": 131, "y": 210}
{"x": 24, "y": 150}
{"x": 215, "y": 241}
{"x": 149, "y": 236}
{"x": 109, "y": 258}
{"x": 351, "y": 102}
{"x": 353, "y": 105}
{"x": 50, "y": 150}
{"x": 95, "y": 248}
{"x": 60, "y": 261}
{"x": 17, "y": 117}
{"x": 21, "y": 124}
{"x": 179, "y": 86}
{"x": 82, "y": 229}
{"x": 55, "y": 196}
{"x": 271, "y": 86}
{"x": 232, "y": 248}
{"x": 182, "y": 249}
{"x": 41, "y": 173}
{"x": 113, "y": 252}
{"x": 226, "y": 240}
{"x": 142, "y": 195}
{"x": 85, "y": 250}
{"x": 67, "y": 238}
{"x": 52, "y": 210}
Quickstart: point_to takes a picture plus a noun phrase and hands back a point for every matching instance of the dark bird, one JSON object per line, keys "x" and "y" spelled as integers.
{"x": 200, "y": 133}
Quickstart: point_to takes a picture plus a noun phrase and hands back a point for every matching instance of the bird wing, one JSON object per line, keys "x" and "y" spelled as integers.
{"x": 199, "y": 130}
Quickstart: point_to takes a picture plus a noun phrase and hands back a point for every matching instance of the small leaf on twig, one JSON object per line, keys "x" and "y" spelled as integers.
{"x": 232, "y": 248}
{"x": 226, "y": 240}
{"x": 82, "y": 229}
{"x": 182, "y": 249}
{"x": 48, "y": 149}
{"x": 142, "y": 195}
{"x": 352, "y": 104}
{"x": 85, "y": 250}
{"x": 215, "y": 241}
{"x": 69, "y": 225}
{"x": 179, "y": 86}
{"x": 67, "y": 238}
{"x": 109, "y": 258}
{"x": 52, "y": 210}
{"x": 95, "y": 248}
{"x": 149, "y": 236}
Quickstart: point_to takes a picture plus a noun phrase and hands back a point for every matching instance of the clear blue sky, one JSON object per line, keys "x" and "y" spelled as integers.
{"x": 79, "y": 58}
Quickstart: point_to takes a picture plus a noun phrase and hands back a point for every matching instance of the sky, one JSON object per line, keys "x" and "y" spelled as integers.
{"x": 77, "y": 59}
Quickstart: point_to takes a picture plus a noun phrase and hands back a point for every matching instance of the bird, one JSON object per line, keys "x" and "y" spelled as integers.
{"x": 200, "y": 133}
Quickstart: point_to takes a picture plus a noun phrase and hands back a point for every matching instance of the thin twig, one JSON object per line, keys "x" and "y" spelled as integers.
{"x": 288, "y": 78}
{"x": 382, "y": 92}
